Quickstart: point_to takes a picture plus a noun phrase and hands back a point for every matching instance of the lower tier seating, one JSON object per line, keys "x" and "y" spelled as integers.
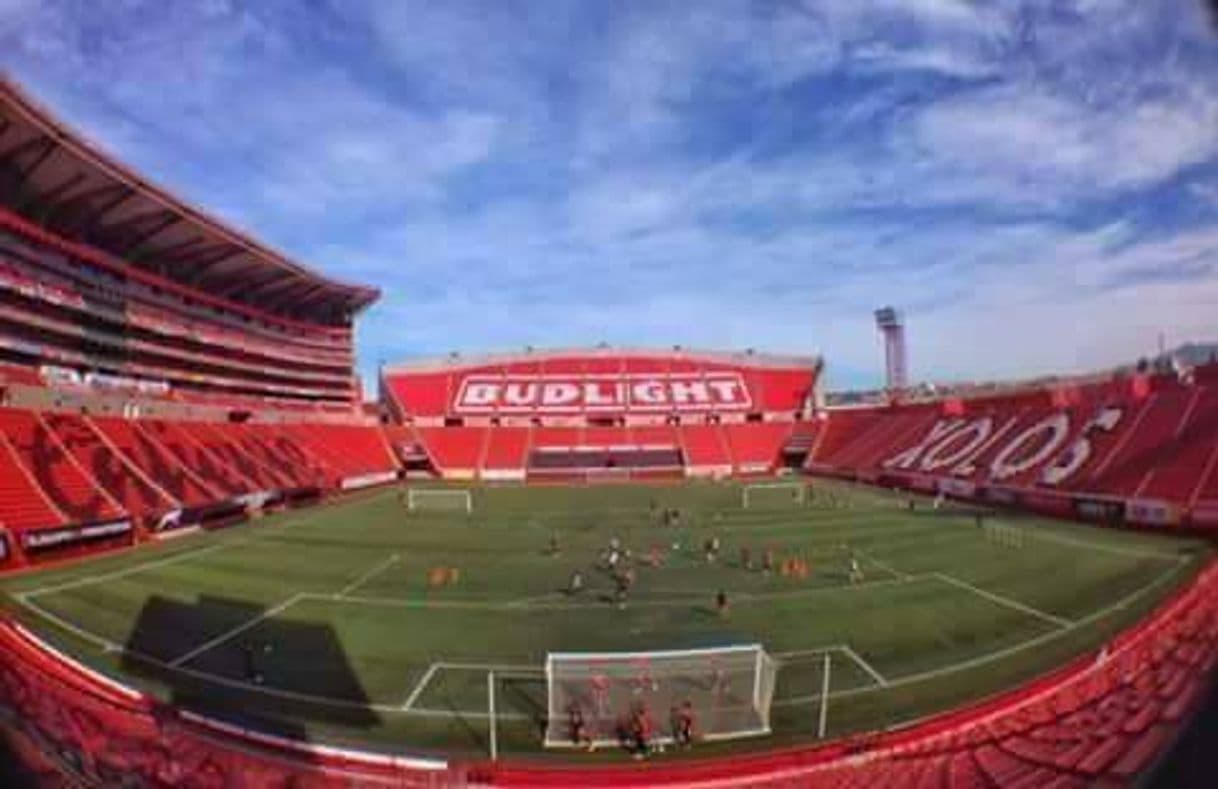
{"x": 59, "y": 469}
{"x": 1132, "y": 438}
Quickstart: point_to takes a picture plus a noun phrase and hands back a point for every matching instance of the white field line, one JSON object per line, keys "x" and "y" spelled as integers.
{"x": 106, "y": 644}
{"x": 809, "y": 652}
{"x": 419, "y": 686}
{"x": 175, "y": 558}
{"x": 1004, "y": 601}
{"x": 368, "y": 575}
{"x": 236, "y": 631}
{"x": 824, "y": 698}
{"x": 330, "y": 701}
{"x": 863, "y": 664}
{"x": 1034, "y": 533}
{"x": 139, "y": 568}
{"x": 888, "y": 568}
{"x": 521, "y": 669}
{"x": 999, "y": 654}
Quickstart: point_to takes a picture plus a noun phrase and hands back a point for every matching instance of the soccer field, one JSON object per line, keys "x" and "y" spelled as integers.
{"x": 322, "y": 624}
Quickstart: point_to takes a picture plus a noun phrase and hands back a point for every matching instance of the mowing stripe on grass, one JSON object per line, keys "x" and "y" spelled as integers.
{"x": 1004, "y": 601}
{"x": 369, "y": 575}
{"x": 236, "y": 631}
{"x": 888, "y": 568}
{"x": 89, "y": 580}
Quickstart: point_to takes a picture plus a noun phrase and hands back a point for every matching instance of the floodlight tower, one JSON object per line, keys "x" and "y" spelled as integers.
{"x": 892, "y": 328}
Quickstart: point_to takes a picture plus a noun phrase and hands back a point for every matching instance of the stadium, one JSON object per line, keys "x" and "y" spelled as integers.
{"x": 220, "y": 567}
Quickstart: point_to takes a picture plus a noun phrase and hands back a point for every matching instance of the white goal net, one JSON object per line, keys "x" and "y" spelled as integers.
{"x": 439, "y": 500}
{"x": 773, "y": 495}
{"x": 728, "y": 688}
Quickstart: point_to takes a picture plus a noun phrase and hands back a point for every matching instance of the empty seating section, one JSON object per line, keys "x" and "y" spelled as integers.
{"x": 157, "y": 462}
{"x": 56, "y": 472}
{"x": 194, "y": 456}
{"x": 1138, "y": 439}
{"x": 704, "y": 445}
{"x": 23, "y": 505}
{"x": 1147, "y": 440}
{"x": 113, "y": 472}
{"x": 59, "y": 468}
{"x": 358, "y": 450}
{"x": 454, "y": 449}
{"x": 216, "y": 441}
{"x": 756, "y": 447}
{"x": 1177, "y": 472}
{"x": 506, "y": 448}
{"x": 557, "y": 437}
{"x": 420, "y": 394}
{"x": 663, "y": 436}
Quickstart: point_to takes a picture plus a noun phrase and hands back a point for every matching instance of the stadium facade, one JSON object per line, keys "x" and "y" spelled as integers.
{"x": 161, "y": 372}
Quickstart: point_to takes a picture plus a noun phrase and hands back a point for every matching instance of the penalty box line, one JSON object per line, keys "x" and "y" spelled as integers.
{"x": 235, "y": 684}
{"x": 844, "y": 649}
{"x": 503, "y": 669}
{"x": 989, "y": 657}
{"x": 1006, "y": 602}
{"x": 273, "y": 611}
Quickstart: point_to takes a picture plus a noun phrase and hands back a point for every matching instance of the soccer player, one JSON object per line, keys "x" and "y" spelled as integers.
{"x": 746, "y": 557}
{"x": 856, "y": 572}
{"x": 721, "y": 604}
{"x": 576, "y": 584}
{"x": 767, "y": 561}
{"x": 641, "y": 728}
{"x": 579, "y": 729}
{"x": 683, "y": 724}
{"x": 599, "y": 685}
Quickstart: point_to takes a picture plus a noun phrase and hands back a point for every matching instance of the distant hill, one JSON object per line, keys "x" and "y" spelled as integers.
{"x": 1193, "y": 353}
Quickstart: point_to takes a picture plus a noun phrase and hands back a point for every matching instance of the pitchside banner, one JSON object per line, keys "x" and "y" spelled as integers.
{"x": 684, "y": 392}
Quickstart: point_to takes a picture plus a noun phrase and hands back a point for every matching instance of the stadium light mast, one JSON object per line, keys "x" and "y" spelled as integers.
{"x": 892, "y": 328}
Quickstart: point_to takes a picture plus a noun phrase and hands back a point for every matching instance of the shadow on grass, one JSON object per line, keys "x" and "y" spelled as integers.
{"x": 277, "y": 676}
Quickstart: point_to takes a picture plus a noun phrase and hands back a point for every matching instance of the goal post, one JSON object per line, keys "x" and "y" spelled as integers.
{"x": 729, "y": 689}
{"x": 773, "y": 495}
{"x": 439, "y": 500}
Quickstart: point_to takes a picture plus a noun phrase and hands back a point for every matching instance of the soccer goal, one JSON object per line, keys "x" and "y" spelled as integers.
{"x": 728, "y": 688}
{"x": 438, "y": 500}
{"x": 773, "y": 495}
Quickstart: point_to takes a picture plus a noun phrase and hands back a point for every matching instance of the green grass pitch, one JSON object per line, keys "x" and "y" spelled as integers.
{"x": 321, "y": 624}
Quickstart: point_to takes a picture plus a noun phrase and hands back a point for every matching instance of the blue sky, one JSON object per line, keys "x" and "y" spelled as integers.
{"x": 1034, "y": 183}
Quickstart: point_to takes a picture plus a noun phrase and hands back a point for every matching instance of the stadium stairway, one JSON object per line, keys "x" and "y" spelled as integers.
{"x": 126, "y": 484}
{"x": 756, "y": 446}
{"x": 191, "y": 454}
{"x": 57, "y": 473}
{"x": 23, "y": 504}
{"x": 155, "y": 461}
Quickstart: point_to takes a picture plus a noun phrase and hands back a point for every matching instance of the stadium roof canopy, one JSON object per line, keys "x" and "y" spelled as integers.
{"x": 53, "y": 176}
